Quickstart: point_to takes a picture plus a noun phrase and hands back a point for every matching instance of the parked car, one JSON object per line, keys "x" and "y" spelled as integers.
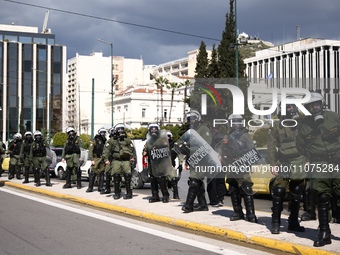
{"x": 5, "y": 164}
{"x": 58, "y": 152}
{"x": 51, "y": 159}
{"x": 85, "y": 167}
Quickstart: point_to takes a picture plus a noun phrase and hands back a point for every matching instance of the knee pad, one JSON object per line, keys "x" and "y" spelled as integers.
{"x": 324, "y": 198}
{"x": 247, "y": 188}
{"x": 194, "y": 183}
{"x": 279, "y": 192}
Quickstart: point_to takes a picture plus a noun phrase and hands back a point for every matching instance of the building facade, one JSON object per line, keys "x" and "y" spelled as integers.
{"x": 312, "y": 64}
{"x": 32, "y": 68}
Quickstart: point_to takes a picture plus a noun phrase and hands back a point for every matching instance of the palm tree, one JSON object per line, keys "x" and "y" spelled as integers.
{"x": 160, "y": 83}
{"x": 186, "y": 100}
{"x": 173, "y": 86}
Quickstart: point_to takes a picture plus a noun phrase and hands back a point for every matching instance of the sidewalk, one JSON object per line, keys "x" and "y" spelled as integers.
{"x": 215, "y": 221}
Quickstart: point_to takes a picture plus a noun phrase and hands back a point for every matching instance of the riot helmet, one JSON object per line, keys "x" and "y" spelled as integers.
{"x": 37, "y": 136}
{"x": 314, "y": 106}
{"x": 169, "y": 135}
{"x": 28, "y": 136}
{"x": 236, "y": 122}
{"x": 17, "y": 136}
{"x": 291, "y": 110}
{"x": 120, "y": 130}
{"x": 112, "y": 132}
{"x": 153, "y": 129}
{"x": 71, "y": 132}
{"x": 193, "y": 118}
{"x": 102, "y": 132}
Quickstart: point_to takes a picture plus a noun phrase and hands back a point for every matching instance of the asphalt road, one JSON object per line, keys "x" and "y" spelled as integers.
{"x": 31, "y": 224}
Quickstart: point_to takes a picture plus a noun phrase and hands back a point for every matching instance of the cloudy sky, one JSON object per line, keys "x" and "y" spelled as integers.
{"x": 159, "y": 31}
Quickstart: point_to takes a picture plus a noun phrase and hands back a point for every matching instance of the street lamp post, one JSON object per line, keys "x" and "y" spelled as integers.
{"x": 112, "y": 79}
{"x": 236, "y": 45}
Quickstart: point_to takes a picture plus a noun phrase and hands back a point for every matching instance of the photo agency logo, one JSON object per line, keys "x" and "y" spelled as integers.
{"x": 281, "y": 96}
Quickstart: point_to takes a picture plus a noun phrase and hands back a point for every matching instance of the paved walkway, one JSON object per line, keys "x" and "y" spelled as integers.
{"x": 215, "y": 221}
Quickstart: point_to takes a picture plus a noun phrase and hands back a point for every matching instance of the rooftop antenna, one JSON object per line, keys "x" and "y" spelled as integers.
{"x": 298, "y": 33}
{"x": 45, "y": 30}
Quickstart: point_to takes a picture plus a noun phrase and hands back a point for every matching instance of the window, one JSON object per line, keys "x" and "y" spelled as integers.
{"x": 143, "y": 112}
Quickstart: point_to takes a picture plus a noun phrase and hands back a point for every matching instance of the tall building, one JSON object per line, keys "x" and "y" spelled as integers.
{"x": 312, "y": 64}
{"x": 32, "y": 73}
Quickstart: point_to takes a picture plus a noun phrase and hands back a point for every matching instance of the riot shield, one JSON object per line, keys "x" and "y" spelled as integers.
{"x": 202, "y": 159}
{"x": 239, "y": 157}
{"x": 159, "y": 154}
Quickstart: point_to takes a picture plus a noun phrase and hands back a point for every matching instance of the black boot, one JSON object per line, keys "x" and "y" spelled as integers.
{"x": 174, "y": 184}
{"x": 202, "y": 202}
{"x": 107, "y": 185}
{"x": 67, "y": 185}
{"x": 250, "y": 209}
{"x": 18, "y": 172}
{"x": 10, "y": 172}
{"x": 163, "y": 183}
{"x": 116, "y": 183}
{"x": 154, "y": 190}
{"x": 101, "y": 182}
{"x": 309, "y": 206}
{"x": 48, "y": 177}
{"x": 278, "y": 196}
{"x": 335, "y": 208}
{"x": 324, "y": 236}
{"x": 237, "y": 207}
{"x": 78, "y": 178}
{"x": 27, "y": 173}
{"x": 192, "y": 194}
{"x": 127, "y": 178}
{"x": 91, "y": 182}
{"x": 37, "y": 177}
{"x": 293, "y": 221}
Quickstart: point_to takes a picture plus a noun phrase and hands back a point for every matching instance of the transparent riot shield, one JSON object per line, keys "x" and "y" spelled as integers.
{"x": 159, "y": 154}
{"x": 202, "y": 159}
{"x": 239, "y": 158}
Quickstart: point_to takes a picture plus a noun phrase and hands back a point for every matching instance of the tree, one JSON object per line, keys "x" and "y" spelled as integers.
{"x": 201, "y": 70}
{"x": 172, "y": 86}
{"x": 213, "y": 70}
{"x": 160, "y": 83}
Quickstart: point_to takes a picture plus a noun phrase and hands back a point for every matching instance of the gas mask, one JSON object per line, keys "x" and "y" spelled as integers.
{"x": 315, "y": 108}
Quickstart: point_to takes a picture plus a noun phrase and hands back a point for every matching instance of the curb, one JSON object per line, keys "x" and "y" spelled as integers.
{"x": 221, "y": 232}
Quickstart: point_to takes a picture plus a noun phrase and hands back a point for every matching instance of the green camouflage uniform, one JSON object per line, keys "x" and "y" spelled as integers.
{"x": 25, "y": 157}
{"x": 71, "y": 154}
{"x": 38, "y": 158}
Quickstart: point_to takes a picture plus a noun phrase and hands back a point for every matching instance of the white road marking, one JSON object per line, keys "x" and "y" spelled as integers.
{"x": 197, "y": 244}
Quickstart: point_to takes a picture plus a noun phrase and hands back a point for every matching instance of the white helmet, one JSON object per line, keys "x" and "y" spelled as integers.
{"x": 169, "y": 134}
{"x": 153, "y": 129}
{"x": 315, "y": 97}
{"x": 17, "y": 136}
{"x": 235, "y": 121}
{"x": 70, "y": 129}
{"x": 291, "y": 112}
{"x": 119, "y": 127}
{"x": 28, "y": 133}
{"x": 37, "y": 132}
{"x": 101, "y": 130}
{"x": 193, "y": 115}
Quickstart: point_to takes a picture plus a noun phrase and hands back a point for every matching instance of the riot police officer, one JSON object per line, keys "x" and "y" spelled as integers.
{"x": 156, "y": 140}
{"x": 240, "y": 185}
{"x": 38, "y": 158}
{"x": 122, "y": 150}
{"x": 107, "y": 168}
{"x": 319, "y": 140}
{"x": 14, "y": 152}
{"x": 25, "y": 154}
{"x": 97, "y": 162}
{"x": 174, "y": 178}
{"x": 2, "y": 153}
{"x": 71, "y": 155}
{"x": 196, "y": 184}
{"x": 288, "y": 167}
